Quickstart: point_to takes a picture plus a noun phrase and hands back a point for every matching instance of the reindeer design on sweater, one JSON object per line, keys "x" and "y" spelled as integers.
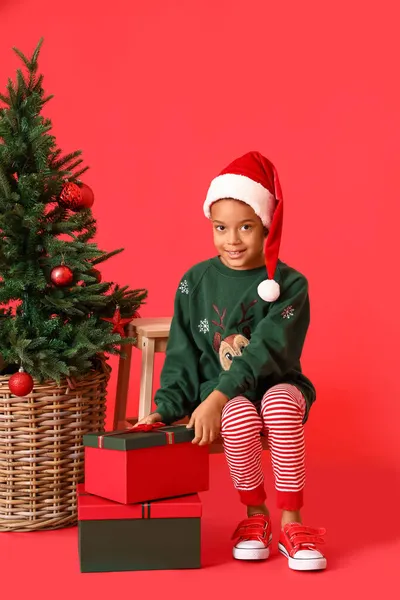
{"x": 232, "y": 345}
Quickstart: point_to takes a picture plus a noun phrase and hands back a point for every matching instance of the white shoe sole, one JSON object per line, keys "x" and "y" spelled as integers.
{"x": 251, "y": 553}
{"x": 303, "y": 564}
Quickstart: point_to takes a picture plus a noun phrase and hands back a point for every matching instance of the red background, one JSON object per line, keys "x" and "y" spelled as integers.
{"x": 161, "y": 95}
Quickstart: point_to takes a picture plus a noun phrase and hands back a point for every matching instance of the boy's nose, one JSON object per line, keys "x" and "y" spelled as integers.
{"x": 233, "y": 237}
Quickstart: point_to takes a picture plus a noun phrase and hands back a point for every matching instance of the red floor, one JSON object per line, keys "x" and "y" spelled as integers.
{"x": 354, "y": 503}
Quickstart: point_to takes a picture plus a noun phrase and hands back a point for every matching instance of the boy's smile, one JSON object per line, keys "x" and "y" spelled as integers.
{"x": 239, "y": 234}
{"x": 235, "y": 253}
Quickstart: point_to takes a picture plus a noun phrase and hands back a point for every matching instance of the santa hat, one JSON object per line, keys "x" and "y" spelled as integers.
{"x": 253, "y": 179}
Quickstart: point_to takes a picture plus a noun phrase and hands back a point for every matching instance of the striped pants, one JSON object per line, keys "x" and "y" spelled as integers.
{"x": 280, "y": 418}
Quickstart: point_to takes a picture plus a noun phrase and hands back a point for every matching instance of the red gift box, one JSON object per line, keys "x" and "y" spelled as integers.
{"x": 165, "y": 534}
{"x": 145, "y": 464}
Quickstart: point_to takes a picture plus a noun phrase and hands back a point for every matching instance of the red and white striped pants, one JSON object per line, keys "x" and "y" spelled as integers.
{"x": 280, "y": 418}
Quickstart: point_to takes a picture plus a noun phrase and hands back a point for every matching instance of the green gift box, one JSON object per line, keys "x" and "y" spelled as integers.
{"x": 160, "y": 535}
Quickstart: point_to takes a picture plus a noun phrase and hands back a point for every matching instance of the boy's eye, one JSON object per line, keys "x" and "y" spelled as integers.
{"x": 220, "y": 227}
{"x": 246, "y": 227}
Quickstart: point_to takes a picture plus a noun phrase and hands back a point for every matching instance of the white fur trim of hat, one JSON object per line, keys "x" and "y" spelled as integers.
{"x": 240, "y": 187}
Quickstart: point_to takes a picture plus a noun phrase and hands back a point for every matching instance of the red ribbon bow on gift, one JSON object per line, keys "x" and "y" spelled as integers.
{"x": 146, "y": 427}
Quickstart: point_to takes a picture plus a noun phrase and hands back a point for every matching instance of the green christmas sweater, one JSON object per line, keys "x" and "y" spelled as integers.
{"x": 225, "y": 337}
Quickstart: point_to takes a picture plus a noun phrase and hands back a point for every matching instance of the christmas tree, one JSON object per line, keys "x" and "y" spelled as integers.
{"x": 56, "y": 315}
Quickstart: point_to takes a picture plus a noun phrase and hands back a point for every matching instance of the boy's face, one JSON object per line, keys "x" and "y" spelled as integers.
{"x": 239, "y": 234}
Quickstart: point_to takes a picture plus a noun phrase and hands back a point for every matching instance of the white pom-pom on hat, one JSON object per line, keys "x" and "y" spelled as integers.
{"x": 269, "y": 290}
{"x": 253, "y": 179}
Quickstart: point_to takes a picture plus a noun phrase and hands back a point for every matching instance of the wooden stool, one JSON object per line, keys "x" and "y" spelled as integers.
{"x": 151, "y": 337}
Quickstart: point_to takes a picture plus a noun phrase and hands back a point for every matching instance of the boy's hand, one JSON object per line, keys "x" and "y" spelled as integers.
{"x": 206, "y": 419}
{"x": 149, "y": 420}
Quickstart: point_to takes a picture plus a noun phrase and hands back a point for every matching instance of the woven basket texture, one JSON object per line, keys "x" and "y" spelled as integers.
{"x": 41, "y": 451}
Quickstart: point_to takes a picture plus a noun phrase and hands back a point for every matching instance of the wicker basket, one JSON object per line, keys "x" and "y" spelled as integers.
{"x": 41, "y": 452}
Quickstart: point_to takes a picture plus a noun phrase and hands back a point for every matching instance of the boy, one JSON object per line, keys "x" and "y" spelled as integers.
{"x": 233, "y": 358}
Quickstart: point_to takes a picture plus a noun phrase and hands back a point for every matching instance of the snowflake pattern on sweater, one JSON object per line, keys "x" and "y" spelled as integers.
{"x": 204, "y": 327}
{"x": 184, "y": 288}
{"x": 287, "y": 312}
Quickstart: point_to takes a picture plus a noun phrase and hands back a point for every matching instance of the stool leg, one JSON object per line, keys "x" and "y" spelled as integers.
{"x": 124, "y": 369}
{"x": 146, "y": 381}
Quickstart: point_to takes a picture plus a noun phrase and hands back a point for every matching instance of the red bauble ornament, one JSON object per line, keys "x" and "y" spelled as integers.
{"x": 118, "y": 322}
{"x": 61, "y": 276}
{"x": 76, "y": 197}
{"x": 21, "y": 383}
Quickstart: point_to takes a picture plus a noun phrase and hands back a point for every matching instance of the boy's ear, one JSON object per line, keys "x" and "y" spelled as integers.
{"x": 266, "y": 232}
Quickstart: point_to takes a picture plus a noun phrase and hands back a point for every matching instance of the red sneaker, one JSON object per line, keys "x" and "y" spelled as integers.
{"x": 253, "y": 537}
{"x": 298, "y": 544}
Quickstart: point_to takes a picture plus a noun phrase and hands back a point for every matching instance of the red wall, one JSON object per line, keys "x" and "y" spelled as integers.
{"x": 161, "y": 95}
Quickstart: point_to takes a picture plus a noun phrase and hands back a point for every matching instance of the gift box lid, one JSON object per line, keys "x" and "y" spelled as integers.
{"x": 94, "y": 508}
{"x": 133, "y": 439}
